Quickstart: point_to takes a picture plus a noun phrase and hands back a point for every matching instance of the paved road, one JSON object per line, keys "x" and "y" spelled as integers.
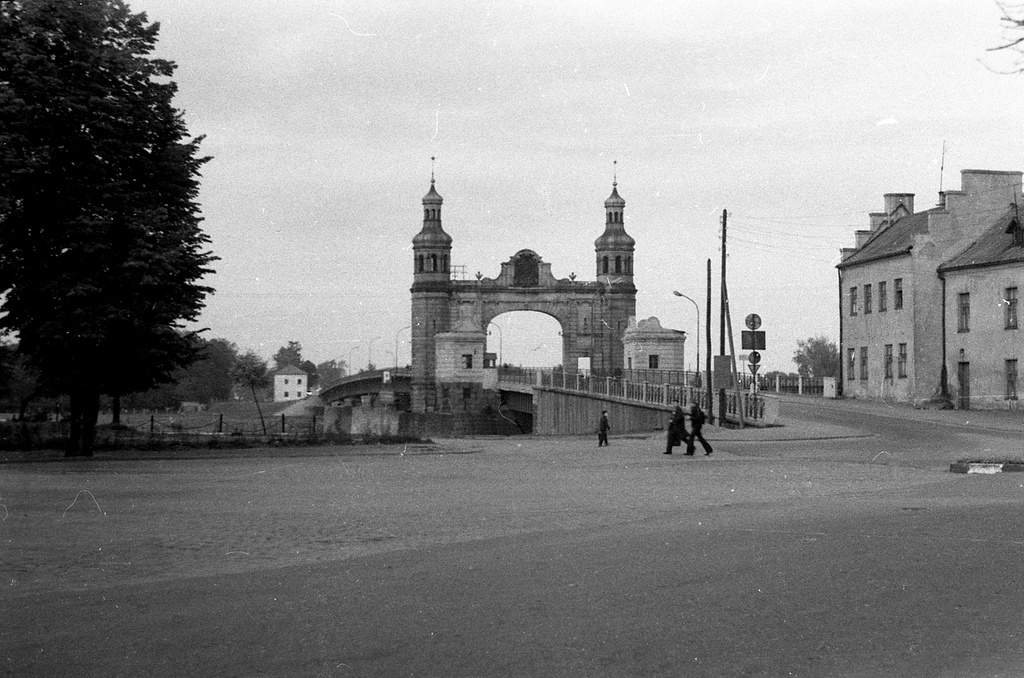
{"x": 798, "y": 551}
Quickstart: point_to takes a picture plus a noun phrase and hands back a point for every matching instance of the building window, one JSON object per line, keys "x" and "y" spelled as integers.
{"x": 286, "y": 381}
{"x": 286, "y": 394}
{"x": 1011, "y": 308}
{"x": 652, "y": 362}
{"x": 883, "y": 301}
{"x": 604, "y": 264}
{"x": 897, "y": 293}
{"x": 963, "y": 312}
{"x": 618, "y": 264}
{"x": 901, "y": 364}
{"x": 467, "y": 361}
{"x": 299, "y": 381}
{"x": 853, "y": 301}
{"x": 851, "y": 363}
{"x": 888, "y": 361}
{"x": 867, "y": 299}
{"x": 1011, "y": 379}
{"x": 863, "y": 363}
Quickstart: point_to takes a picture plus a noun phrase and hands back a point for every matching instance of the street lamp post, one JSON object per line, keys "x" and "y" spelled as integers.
{"x": 348, "y": 367}
{"x": 696, "y": 308}
{"x": 396, "y": 343}
{"x": 369, "y": 353}
{"x": 501, "y": 336}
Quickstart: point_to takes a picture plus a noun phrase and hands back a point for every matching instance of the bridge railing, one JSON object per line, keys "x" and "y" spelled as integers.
{"x": 752, "y": 406}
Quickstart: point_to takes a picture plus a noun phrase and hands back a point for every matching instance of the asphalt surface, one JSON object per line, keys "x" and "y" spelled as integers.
{"x": 836, "y": 545}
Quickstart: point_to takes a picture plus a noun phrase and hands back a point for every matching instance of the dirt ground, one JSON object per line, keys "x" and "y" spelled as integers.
{"x": 191, "y": 542}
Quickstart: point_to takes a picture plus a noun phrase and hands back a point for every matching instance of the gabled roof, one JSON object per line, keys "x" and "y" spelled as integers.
{"x": 995, "y": 246}
{"x": 290, "y": 369}
{"x": 894, "y": 240}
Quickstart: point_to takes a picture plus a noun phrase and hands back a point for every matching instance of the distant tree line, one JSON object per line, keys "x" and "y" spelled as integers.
{"x": 220, "y": 372}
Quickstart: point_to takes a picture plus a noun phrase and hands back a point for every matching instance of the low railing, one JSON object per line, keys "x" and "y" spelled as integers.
{"x": 662, "y": 394}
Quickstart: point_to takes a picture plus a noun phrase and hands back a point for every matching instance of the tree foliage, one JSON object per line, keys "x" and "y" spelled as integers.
{"x": 288, "y": 355}
{"x": 209, "y": 378}
{"x": 19, "y": 383}
{"x": 251, "y": 371}
{"x": 101, "y": 252}
{"x": 330, "y": 371}
{"x": 817, "y": 357}
{"x": 1012, "y": 21}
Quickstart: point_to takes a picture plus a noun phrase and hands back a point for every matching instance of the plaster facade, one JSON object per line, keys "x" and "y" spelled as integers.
{"x": 290, "y": 383}
{"x": 649, "y": 346}
{"x": 895, "y": 296}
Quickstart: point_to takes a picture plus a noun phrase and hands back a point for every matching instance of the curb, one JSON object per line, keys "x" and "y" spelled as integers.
{"x": 985, "y": 467}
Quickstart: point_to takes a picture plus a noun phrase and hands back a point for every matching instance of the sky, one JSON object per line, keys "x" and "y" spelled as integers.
{"x": 794, "y": 117}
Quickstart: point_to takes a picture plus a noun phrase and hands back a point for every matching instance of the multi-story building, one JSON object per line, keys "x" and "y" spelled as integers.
{"x": 906, "y": 323}
{"x": 290, "y": 383}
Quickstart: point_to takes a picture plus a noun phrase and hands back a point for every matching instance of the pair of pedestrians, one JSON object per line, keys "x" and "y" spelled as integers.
{"x": 677, "y": 432}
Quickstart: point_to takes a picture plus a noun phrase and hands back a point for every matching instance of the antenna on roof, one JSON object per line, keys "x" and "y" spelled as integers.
{"x": 942, "y": 164}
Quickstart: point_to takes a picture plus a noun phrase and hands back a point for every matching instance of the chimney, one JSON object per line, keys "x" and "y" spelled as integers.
{"x": 863, "y": 237}
{"x": 894, "y": 200}
{"x": 991, "y": 186}
{"x": 877, "y": 219}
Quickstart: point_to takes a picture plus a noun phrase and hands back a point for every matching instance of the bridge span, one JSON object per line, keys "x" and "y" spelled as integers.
{"x": 539, "y": 401}
{"x": 568, "y": 404}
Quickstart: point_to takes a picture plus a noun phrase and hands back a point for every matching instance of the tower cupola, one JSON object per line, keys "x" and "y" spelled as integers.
{"x": 615, "y": 247}
{"x": 432, "y": 246}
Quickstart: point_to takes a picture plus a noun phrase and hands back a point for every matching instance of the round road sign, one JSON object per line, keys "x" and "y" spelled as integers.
{"x": 754, "y": 357}
{"x": 753, "y": 321}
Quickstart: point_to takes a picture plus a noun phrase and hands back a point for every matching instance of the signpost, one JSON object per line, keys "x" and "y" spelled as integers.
{"x": 753, "y": 340}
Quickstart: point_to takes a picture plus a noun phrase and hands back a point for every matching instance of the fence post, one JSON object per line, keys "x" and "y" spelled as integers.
{"x": 800, "y": 385}
{"x": 152, "y": 423}
{"x": 282, "y": 422}
{"x": 220, "y": 423}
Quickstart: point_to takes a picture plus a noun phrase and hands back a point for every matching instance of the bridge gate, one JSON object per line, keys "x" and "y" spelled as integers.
{"x": 450, "y": 317}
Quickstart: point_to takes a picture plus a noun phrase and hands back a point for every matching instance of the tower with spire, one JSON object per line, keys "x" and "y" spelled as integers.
{"x": 615, "y": 247}
{"x": 617, "y": 293}
{"x": 431, "y": 293}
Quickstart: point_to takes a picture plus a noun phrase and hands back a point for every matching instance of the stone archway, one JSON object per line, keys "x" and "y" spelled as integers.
{"x": 593, "y": 316}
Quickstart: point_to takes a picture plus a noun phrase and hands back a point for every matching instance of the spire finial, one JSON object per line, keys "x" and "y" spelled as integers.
{"x": 615, "y": 178}
{"x": 431, "y": 170}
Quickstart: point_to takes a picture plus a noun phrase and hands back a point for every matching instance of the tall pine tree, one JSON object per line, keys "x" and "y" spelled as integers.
{"x": 101, "y": 252}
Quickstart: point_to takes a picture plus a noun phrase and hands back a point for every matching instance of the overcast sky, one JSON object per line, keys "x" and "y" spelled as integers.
{"x": 796, "y": 117}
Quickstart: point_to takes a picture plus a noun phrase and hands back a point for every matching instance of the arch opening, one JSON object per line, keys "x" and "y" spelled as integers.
{"x": 529, "y": 339}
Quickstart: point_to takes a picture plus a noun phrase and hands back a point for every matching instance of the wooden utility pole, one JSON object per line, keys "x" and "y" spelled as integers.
{"x": 707, "y": 330}
{"x": 732, "y": 352}
{"x": 722, "y": 330}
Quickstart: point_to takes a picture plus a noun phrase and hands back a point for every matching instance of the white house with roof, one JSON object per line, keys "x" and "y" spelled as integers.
{"x": 290, "y": 383}
{"x": 925, "y": 294}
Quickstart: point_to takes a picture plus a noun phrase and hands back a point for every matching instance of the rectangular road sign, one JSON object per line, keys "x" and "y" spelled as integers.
{"x": 722, "y": 377}
{"x": 753, "y": 340}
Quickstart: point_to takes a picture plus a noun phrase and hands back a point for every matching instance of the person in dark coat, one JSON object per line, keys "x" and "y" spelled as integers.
{"x": 697, "y": 418}
{"x": 603, "y": 426}
{"x": 676, "y": 429}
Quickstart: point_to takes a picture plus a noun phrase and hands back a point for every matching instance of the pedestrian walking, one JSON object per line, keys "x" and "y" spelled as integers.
{"x": 676, "y": 429}
{"x": 697, "y": 418}
{"x": 603, "y": 426}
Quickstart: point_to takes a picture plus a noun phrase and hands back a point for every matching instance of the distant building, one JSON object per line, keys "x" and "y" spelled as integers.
{"x": 290, "y": 383}
{"x": 928, "y": 311}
